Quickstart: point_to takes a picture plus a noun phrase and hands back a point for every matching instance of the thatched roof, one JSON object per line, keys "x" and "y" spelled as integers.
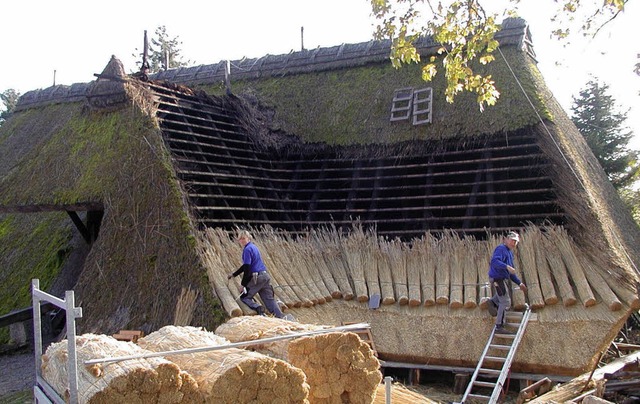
{"x": 306, "y": 149}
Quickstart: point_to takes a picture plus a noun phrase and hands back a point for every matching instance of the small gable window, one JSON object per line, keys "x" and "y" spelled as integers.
{"x": 415, "y": 104}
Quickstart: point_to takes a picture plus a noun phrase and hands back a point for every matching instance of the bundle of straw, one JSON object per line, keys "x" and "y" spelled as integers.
{"x": 352, "y": 251}
{"x": 559, "y": 271}
{"x": 414, "y": 264}
{"x": 544, "y": 273}
{"x": 384, "y": 273}
{"x": 428, "y": 251}
{"x": 397, "y": 262}
{"x": 185, "y": 306}
{"x": 340, "y": 367}
{"x": 229, "y": 375}
{"x": 527, "y": 255}
{"x": 559, "y": 237}
{"x": 149, "y": 380}
{"x": 470, "y": 273}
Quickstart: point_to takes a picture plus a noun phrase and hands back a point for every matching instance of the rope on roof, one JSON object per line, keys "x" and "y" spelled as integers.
{"x": 615, "y": 235}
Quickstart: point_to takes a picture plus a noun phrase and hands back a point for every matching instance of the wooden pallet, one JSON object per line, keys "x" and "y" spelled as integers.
{"x": 128, "y": 335}
{"x": 365, "y": 336}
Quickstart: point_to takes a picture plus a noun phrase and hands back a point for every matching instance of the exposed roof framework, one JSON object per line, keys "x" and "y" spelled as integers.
{"x": 494, "y": 184}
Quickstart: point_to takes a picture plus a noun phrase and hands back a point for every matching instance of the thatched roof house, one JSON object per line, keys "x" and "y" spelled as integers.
{"x": 357, "y": 179}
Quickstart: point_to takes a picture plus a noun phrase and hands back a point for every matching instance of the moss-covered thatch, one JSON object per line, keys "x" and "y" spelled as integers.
{"x": 144, "y": 255}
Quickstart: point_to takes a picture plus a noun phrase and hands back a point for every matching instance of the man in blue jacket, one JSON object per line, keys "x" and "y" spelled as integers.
{"x": 501, "y": 274}
{"x": 255, "y": 278}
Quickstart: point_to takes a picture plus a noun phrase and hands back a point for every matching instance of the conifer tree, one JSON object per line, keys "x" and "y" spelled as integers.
{"x": 9, "y": 100}
{"x": 595, "y": 114}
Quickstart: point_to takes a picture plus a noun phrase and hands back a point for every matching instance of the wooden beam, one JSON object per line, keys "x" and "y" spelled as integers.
{"x": 35, "y": 208}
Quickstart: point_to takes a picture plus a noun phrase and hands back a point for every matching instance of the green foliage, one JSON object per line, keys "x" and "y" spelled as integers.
{"x": 594, "y": 114}
{"x": 466, "y": 32}
{"x": 9, "y": 100}
{"x": 164, "y": 52}
{"x": 631, "y": 198}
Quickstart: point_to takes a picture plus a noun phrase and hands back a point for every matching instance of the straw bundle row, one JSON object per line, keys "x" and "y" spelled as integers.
{"x": 449, "y": 270}
{"x": 185, "y": 306}
{"x": 149, "y": 380}
{"x": 229, "y": 375}
{"x": 340, "y": 367}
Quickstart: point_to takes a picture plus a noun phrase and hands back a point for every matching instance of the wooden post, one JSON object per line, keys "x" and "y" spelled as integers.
{"x": 461, "y": 382}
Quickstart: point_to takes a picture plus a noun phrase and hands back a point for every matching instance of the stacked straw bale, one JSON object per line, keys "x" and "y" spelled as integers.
{"x": 340, "y": 367}
{"x": 470, "y": 273}
{"x": 414, "y": 264}
{"x": 443, "y": 272}
{"x": 427, "y": 250}
{"x": 229, "y": 375}
{"x": 151, "y": 380}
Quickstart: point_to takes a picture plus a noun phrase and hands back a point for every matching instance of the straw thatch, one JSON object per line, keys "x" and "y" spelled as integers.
{"x": 229, "y": 375}
{"x": 151, "y": 380}
{"x": 339, "y": 366}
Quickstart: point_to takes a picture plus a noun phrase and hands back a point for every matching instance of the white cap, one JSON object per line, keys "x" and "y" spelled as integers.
{"x": 513, "y": 236}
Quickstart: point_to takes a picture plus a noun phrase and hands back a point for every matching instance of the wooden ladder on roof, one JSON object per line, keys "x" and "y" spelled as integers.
{"x": 495, "y": 362}
{"x": 365, "y": 336}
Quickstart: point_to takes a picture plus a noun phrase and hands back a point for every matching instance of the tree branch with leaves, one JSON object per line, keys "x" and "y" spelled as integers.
{"x": 466, "y": 33}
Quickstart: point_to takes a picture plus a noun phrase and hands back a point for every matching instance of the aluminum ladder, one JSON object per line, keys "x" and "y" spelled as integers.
{"x": 495, "y": 361}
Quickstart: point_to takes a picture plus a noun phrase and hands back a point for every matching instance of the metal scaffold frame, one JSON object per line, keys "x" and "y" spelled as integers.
{"x": 42, "y": 391}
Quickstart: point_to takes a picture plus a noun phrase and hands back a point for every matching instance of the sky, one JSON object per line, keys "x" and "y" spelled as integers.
{"x": 71, "y": 40}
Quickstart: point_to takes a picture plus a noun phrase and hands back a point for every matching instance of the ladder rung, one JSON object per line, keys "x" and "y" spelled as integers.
{"x": 501, "y": 347}
{"x": 488, "y": 371}
{"x": 508, "y": 336}
{"x": 484, "y": 384}
{"x": 495, "y": 358}
{"x": 479, "y": 397}
{"x": 514, "y": 314}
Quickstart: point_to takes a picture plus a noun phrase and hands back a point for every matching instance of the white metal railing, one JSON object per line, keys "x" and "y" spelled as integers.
{"x": 42, "y": 391}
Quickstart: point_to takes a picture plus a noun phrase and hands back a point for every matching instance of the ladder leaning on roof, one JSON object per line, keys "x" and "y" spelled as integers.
{"x": 496, "y": 365}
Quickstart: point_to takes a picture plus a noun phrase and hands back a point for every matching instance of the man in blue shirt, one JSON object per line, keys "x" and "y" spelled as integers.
{"x": 501, "y": 274}
{"x": 255, "y": 278}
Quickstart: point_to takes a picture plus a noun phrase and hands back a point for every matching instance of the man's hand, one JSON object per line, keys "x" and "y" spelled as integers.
{"x": 229, "y": 276}
{"x": 511, "y": 269}
{"x": 523, "y": 287}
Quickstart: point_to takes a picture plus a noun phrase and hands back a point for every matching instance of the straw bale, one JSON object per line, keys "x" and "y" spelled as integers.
{"x": 284, "y": 294}
{"x": 442, "y": 274}
{"x": 274, "y": 249}
{"x": 185, "y": 306}
{"x": 453, "y": 253}
{"x": 470, "y": 273}
{"x": 316, "y": 251}
{"x": 335, "y": 260}
{"x": 352, "y": 250}
{"x": 371, "y": 269}
{"x": 414, "y": 263}
{"x": 534, "y": 236}
{"x": 307, "y": 274}
{"x": 428, "y": 251}
{"x": 401, "y": 394}
{"x": 482, "y": 259}
{"x": 215, "y": 270}
{"x": 229, "y": 375}
{"x": 149, "y": 380}
{"x": 528, "y": 267}
{"x": 600, "y": 285}
{"x": 560, "y": 237}
{"x": 338, "y": 366}
{"x": 384, "y": 273}
{"x": 397, "y": 262}
{"x": 559, "y": 272}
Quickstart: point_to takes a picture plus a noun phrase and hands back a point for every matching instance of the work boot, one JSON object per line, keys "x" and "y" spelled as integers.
{"x": 260, "y": 310}
{"x": 503, "y": 331}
